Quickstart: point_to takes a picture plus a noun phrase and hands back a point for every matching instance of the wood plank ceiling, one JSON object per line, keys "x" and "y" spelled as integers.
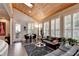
{"x": 40, "y": 11}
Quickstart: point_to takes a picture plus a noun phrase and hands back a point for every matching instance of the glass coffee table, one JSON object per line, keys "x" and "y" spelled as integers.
{"x": 40, "y": 44}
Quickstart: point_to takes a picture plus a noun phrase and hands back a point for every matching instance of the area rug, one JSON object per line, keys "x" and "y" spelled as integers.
{"x": 32, "y": 50}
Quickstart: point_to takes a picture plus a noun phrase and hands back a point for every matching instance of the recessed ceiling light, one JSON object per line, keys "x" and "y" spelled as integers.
{"x": 29, "y": 5}
{"x": 29, "y": 11}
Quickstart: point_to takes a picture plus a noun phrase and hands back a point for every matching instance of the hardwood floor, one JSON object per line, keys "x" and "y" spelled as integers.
{"x": 17, "y": 49}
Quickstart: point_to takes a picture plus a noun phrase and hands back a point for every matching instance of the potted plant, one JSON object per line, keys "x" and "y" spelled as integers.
{"x": 63, "y": 40}
{"x": 72, "y": 41}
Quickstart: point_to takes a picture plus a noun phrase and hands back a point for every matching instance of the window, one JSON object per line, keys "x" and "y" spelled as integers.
{"x": 57, "y": 27}
{"x": 17, "y": 28}
{"x": 52, "y": 28}
{"x": 71, "y": 26}
{"x": 67, "y": 26}
{"x": 30, "y": 28}
{"x": 46, "y": 29}
{"x": 76, "y": 25}
{"x": 40, "y": 27}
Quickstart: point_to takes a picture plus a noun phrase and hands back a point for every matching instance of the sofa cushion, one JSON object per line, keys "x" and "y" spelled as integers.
{"x": 3, "y": 48}
{"x": 77, "y": 54}
{"x": 56, "y": 53}
{"x": 72, "y": 51}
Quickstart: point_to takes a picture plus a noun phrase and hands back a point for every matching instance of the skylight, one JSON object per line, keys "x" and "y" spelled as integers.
{"x": 29, "y": 5}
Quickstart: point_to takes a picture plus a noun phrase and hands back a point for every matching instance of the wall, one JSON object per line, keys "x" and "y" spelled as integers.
{"x": 21, "y": 37}
{"x": 3, "y": 12}
{"x": 20, "y": 18}
{"x": 7, "y": 27}
{"x": 4, "y": 17}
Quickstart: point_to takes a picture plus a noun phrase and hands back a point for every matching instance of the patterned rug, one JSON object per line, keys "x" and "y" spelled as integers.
{"x": 32, "y": 50}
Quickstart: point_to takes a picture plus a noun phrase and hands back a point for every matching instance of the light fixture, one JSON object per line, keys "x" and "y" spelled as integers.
{"x": 29, "y": 5}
